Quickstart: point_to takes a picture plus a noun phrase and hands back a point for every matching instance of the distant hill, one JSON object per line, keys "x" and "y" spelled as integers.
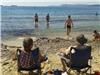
{"x": 79, "y": 5}
{"x": 63, "y": 5}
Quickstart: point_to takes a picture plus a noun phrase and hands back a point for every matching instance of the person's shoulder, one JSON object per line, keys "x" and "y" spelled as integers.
{"x": 73, "y": 46}
{"x": 72, "y": 49}
{"x": 87, "y": 45}
{"x": 20, "y": 49}
{"x": 35, "y": 49}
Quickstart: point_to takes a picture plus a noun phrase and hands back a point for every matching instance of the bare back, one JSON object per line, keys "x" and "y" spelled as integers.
{"x": 69, "y": 22}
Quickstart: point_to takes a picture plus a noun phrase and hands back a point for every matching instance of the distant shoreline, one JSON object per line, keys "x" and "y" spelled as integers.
{"x": 61, "y": 5}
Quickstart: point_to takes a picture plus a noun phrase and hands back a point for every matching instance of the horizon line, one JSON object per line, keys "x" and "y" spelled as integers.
{"x": 52, "y": 5}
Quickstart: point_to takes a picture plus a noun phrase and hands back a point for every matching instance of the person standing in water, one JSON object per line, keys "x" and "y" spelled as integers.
{"x": 47, "y": 20}
{"x": 68, "y": 25}
{"x": 36, "y": 20}
{"x": 96, "y": 14}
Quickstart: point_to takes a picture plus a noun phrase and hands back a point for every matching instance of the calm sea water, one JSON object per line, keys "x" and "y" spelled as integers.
{"x": 18, "y": 20}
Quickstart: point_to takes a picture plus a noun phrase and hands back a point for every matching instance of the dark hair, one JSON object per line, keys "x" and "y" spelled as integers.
{"x": 27, "y": 42}
{"x": 95, "y": 31}
{"x": 81, "y": 39}
{"x": 69, "y": 16}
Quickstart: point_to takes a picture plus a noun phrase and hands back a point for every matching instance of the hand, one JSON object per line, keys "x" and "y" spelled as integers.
{"x": 45, "y": 57}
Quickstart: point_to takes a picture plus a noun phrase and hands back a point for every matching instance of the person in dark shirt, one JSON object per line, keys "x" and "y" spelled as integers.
{"x": 36, "y": 20}
{"x": 47, "y": 20}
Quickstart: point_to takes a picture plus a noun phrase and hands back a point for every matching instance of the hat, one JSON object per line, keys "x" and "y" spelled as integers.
{"x": 81, "y": 39}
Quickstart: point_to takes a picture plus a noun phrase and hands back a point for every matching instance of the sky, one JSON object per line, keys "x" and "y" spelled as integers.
{"x": 46, "y": 2}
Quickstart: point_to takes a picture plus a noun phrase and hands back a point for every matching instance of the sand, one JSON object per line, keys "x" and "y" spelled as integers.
{"x": 53, "y": 45}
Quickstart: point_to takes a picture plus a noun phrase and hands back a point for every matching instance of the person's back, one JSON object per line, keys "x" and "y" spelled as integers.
{"x": 29, "y": 59}
{"x": 77, "y": 56}
{"x": 25, "y": 55}
{"x": 69, "y": 22}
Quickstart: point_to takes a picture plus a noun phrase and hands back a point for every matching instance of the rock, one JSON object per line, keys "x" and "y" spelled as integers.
{"x": 3, "y": 46}
{"x": 5, "y": 63}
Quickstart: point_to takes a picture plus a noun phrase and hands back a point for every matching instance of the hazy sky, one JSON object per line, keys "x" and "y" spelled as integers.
{"x": 47, "y": 2}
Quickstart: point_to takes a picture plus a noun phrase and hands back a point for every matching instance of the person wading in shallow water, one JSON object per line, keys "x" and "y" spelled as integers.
{"x": 68, "y": 25}
{"x": 36, "y": 20}
{"x": 47, "y": 20}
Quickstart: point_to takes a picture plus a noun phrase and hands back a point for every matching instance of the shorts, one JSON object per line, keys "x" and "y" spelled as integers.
{"x": 36, "y": 20}
{"x": 69, "y": 27}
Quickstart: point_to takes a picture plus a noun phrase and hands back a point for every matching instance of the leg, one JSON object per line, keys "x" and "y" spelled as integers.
{"x": 64, "y": 64}
{"x": 47, "y": 25}
{"x": 68, "y": 31}
{"x": 36, "y": 25}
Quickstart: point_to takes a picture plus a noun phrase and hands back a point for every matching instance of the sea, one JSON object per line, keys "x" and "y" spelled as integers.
{"x": 19, "y": 20}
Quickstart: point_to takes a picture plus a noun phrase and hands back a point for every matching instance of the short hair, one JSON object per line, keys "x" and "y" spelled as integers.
{"x": 95, "y": 31}
{"x": 27, "y": 42}
{"x": 69, "y": 16}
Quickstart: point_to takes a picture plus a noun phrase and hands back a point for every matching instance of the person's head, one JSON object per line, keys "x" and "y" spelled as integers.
{"x": 36, "y": 14}
{"x": 48, "y": 15}
{"x": 69, "y": 16}
{"x": 95, "y": 31}
{"x": 28, "y": 43}
{"x": 81, "y": 39}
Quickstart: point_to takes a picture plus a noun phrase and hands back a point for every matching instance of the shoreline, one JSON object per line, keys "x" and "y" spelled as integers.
{"x": 18, "y": 39}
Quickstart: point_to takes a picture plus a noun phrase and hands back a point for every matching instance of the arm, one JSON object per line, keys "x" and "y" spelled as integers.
{"x": 41, "y": 58}
{"x": 65, "y": 24}
{"x": 65, "y": 51}
{"x": 94, "y": 37}
{"x": 15, "y": 54}
{"x": 14, "y": 58}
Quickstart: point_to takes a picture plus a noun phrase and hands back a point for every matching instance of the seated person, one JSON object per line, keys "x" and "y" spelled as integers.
{"x": 77, "y": 52}
{"x": 96, "y": 35}
{"x": 29, "y": 58}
